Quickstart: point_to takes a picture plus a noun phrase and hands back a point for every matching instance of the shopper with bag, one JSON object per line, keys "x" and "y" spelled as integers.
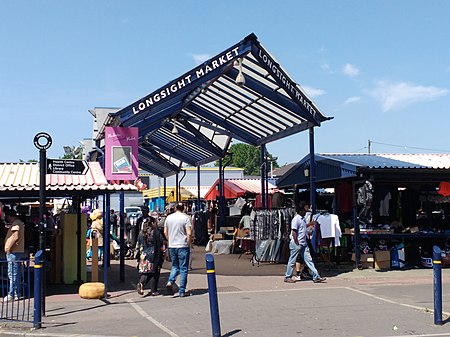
{"x": 149, "y": 255}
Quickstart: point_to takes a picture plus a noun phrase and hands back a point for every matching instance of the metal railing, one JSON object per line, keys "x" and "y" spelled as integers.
{"x": 16, "y": 306}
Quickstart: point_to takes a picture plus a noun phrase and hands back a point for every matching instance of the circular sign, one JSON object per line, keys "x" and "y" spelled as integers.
{"x": 42, "y": 141}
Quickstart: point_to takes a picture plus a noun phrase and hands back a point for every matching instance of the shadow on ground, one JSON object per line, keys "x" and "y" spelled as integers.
{"x": 225, "y": 265}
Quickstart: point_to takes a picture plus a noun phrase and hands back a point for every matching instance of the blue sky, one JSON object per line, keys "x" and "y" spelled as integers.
{"x": 380, "y": 68}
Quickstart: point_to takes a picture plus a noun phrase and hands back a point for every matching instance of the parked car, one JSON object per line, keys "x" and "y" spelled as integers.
{"x": 133, "y": 211}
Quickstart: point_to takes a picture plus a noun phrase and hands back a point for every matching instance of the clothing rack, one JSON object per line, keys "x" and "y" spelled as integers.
{"x": 270, "y": 230}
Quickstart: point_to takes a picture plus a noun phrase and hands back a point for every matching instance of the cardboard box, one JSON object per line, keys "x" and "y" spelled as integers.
{"x": 367, "y": 260}
{"x": 217, "y": 237}
{"x": 382, "y": 260}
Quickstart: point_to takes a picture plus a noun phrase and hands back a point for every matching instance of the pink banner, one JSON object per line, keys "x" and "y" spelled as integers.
{"x": 121, "y": 153}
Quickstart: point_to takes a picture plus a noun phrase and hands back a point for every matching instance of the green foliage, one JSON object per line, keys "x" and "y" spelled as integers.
{"x": 247, "y": 157}
{"x": 75, "y": 153}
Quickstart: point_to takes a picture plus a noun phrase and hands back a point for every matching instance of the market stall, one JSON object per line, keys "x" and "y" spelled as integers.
{"x": 384, "y": 201}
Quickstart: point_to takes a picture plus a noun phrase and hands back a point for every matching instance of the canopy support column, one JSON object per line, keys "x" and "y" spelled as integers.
{"x": 266, "y": 178}
{"x": 263, "y": 176}
{"x": 176, "y": 188}
{"x": 198, "y": 188}
{"x": 122, "y": 235}
{"x": 312, "y": 170}
{"x": 165, "y": 192}
{"x": 77, "y": 202}
{"x": 221, "y": 219}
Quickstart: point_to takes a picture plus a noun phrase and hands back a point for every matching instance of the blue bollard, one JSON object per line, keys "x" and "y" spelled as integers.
{"x": 38, "y": 264}
{"x": 212, "y": 289}
{"x": 437, "y": 276}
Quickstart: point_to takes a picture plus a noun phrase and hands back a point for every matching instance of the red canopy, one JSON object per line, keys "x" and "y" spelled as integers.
{"x": 235, "y": 188}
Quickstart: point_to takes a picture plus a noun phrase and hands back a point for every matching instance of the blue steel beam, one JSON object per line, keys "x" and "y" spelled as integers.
{"x": 193, "y": 120}
{"x": 151, "y": 169}
{"x": 259, "y": 107}
{"x": 237, "y": 132}
{"x": 174, "y": 152}
{"x": 257, "y": 127}
{"x": 150, "y": 153}
{"x": 285, "y": 133}
{"x": 194, "y": 136}
{"x": 276, "y": 97}
{"x": 200, "y": 139}
{"x": 151, "y": 166}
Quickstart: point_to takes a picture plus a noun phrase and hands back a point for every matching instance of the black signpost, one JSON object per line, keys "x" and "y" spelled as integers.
{"x": 67, "y": 166}
{"x": 42, "y": 141}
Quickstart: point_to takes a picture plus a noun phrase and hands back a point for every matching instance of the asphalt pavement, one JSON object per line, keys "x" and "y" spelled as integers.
{"x": 253, "y": 301}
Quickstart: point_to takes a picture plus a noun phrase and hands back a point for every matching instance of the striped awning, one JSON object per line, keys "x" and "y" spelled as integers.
{"x": 234, "y": 188}
{"x": 18, "y": 178}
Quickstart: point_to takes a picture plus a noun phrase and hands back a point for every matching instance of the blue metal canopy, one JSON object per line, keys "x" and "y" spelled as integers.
{"x": 332, "y": 166}
{"x": 241, "y": 93}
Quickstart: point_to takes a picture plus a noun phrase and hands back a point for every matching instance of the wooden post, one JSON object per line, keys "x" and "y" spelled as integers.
{"x": 94, "y": 265}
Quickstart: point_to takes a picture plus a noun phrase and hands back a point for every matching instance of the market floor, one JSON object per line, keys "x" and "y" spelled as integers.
{"x": 359, "y": 303}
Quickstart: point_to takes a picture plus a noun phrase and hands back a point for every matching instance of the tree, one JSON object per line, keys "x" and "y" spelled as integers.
{"x": 72, "y": 152}
{"x": 247, "y": 157}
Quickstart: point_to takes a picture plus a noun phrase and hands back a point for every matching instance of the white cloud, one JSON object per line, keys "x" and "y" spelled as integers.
{"x": 352, "y": 99}
{"x": 313, "y": 92}
{"x": 350, "y": 70}
{"x": 322, "y": 50}
{"x": 395, "y": 96}
{"x": 200, "y": 58}
{"x": 325, "y": 66}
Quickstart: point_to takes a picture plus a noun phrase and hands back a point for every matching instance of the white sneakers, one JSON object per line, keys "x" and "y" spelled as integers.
{"x": 9, "y": 298}
{"x": 169, "y": 288}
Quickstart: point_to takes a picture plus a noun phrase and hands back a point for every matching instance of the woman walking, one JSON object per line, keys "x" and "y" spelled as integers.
{"x": 149, "y": 256}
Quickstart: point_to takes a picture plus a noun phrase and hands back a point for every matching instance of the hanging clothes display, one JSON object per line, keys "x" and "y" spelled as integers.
{"x": 271, "y": 232}
{"x": 329, "y": 227}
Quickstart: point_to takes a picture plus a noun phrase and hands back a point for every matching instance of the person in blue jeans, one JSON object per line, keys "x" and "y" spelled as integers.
{"x": 178, "y": 231}
{"x": 298, "y": 245}
{"x": 14, "y": 249}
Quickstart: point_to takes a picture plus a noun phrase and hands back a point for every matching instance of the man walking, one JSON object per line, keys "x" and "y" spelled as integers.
{"x": 178, "y": 231}
{"x": 14, "y": 249}
{"x": 298, "y": 245}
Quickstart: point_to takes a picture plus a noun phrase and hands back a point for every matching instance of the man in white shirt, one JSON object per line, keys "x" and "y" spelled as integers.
{"x": 178, "y": 231}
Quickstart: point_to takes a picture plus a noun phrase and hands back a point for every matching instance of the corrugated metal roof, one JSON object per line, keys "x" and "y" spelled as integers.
{"x": 433, "y": 160}
{"x": 332, "y": 166}
{"x": 279, "y": 171}
{"x": 327, "y": 168}
{"x": 193, "y": 118}
{"x": 373, "y": 161}
{"x": 25, "y": 177}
